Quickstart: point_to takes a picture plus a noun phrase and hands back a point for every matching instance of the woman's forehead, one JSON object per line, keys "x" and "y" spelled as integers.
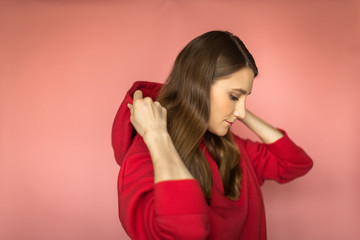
{"x": 242, "y": 79}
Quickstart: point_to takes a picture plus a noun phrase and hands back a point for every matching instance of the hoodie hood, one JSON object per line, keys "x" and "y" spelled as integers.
{"x": 123, "y": 131}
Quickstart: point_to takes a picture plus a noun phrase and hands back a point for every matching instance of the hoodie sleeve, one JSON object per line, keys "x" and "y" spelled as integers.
{"x": 173, "y": 209}
{"x": 281, "y": 161}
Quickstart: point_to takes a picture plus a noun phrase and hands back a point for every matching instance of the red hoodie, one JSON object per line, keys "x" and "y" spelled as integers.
{"x": 177, "y": 209}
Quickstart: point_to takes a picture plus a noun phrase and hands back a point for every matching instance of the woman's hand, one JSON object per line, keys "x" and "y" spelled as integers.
{"x": 147, "y": 116}
{"x": 149, "y": 120}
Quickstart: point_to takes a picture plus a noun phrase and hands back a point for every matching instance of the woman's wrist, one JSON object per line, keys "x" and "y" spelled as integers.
{"x": 153, "y": 137}
{"x": 160, "y": 146}
{"x": 166, "y": 160}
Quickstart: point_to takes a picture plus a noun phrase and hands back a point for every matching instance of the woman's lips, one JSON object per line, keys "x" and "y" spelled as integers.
{"x": 230, "y": 123}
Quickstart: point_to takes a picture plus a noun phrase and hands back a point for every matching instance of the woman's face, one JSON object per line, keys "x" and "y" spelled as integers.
{"x": 228, "y": 99}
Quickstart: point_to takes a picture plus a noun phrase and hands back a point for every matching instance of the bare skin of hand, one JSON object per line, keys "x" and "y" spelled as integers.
{"x": 149, "y": 120}
{"x": 147, "y": 116}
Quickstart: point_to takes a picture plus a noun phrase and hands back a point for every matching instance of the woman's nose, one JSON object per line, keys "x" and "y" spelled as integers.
{"x": 240, "y": 110}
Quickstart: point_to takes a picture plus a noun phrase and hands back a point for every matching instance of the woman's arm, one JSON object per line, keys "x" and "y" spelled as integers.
{"x": 157, "y": 194}
{"x": 267, "y": 133}
{"x": 149, "y": 120}
{"x": 277, "y": 158}
{"x": 166, "y": 160}
{"x": 160, "y": 210}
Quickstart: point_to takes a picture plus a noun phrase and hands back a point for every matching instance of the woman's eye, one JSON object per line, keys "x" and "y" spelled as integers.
{"x": 233, "y": 98}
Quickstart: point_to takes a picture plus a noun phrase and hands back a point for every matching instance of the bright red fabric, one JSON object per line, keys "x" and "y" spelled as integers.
{"x": 177, "y": 209}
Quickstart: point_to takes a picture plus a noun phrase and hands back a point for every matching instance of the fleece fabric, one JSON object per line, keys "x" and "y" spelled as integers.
{"x": 177, "y": 209}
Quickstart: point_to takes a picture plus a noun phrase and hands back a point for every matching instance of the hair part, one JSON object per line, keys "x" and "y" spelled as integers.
{"x": 186, "y": 96}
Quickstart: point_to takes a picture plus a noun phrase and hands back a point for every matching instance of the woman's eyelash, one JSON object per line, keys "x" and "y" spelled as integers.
{"x": 233, "y": 98}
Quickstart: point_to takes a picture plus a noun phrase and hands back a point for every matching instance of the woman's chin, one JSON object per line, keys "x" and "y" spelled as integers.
{"x": 220, "y": 132}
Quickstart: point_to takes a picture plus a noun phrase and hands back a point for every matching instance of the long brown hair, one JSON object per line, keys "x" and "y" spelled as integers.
{"x": 186, "y": 96}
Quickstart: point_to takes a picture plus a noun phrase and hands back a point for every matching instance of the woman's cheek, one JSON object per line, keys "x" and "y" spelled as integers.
{"x": 227, "y": 107}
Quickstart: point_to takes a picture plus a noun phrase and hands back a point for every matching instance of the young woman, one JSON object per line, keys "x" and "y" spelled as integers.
{"x": 184, "y": 174}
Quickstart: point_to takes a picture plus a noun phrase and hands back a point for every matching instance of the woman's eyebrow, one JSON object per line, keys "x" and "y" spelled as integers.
{"x": 241, "y": 90}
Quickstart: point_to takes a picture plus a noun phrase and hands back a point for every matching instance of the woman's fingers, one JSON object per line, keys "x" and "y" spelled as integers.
{"x": 130, "y": 106}
{"x": 146, "y": 115}
{"x": 137, "y": 95}
{"x": 160, "y": 108}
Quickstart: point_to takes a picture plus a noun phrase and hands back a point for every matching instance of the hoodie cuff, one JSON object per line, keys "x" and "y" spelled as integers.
{"x": 178, "y": 197}
{"x": 284, "y": 148}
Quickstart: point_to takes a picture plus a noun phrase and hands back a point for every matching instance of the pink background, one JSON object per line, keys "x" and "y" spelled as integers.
{"x": 64, "y": 69}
